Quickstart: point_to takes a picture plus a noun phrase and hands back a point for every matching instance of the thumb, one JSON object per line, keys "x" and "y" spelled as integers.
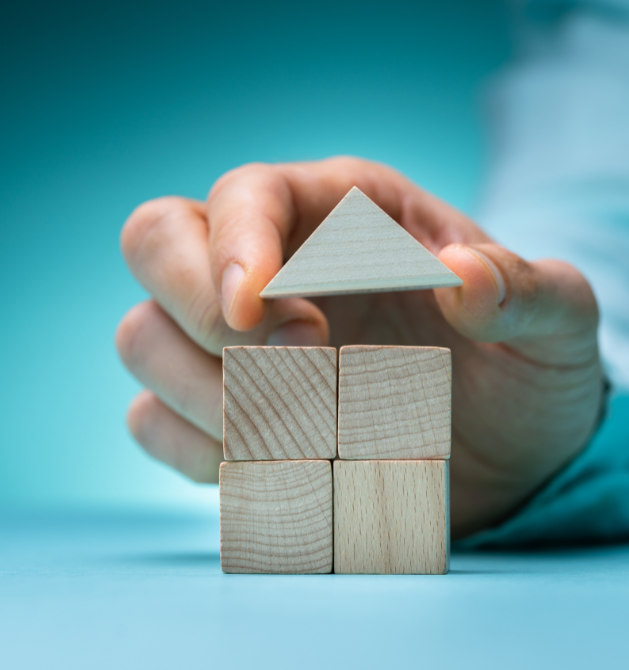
{"x": 544, "y": 309}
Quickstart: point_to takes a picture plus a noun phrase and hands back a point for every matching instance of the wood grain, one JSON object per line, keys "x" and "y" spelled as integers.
{"x": 391, "y": 517}
{"x": 359, "y": 249}
{"x": 394, "y": 402}
{"x": 276, "y": 517}
{"x": 279, "y": 403}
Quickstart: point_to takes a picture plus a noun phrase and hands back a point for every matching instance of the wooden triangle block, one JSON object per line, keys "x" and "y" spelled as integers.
{"x": 359, "y": 249}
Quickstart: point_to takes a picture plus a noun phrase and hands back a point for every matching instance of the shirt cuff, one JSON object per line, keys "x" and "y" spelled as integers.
{"x": 587, "y": 501}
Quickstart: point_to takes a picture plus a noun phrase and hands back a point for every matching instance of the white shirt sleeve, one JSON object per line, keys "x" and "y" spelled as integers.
{"x": 559, "y": 188}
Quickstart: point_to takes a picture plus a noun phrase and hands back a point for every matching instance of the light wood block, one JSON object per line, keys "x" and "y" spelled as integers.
{"x": 394, "y": 402}
{"x": 279, "y": 403}
{"x": 391, "y": 517}
{"x": 276, "y": 517}
{"x": 359, "y": 249}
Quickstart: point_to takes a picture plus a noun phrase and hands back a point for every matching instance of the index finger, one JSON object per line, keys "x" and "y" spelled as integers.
{"x": 260, "y": 214}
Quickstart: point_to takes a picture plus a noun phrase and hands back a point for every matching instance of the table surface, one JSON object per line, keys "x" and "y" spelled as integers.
{"x": 144, "y": 589}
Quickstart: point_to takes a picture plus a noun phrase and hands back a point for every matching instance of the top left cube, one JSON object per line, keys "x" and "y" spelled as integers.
{"x": 279, "y": 403}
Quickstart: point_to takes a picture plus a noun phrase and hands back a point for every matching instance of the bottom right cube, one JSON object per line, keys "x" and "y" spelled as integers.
{"x": 391, "y": 517}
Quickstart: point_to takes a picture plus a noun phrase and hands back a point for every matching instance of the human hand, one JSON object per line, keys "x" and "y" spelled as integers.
{"x": 527, "y": 381}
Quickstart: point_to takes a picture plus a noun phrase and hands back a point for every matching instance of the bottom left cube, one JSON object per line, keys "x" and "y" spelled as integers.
{"x": 276, "y": 516}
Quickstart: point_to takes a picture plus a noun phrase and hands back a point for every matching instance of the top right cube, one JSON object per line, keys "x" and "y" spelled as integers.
{"x": 394, "y": 403}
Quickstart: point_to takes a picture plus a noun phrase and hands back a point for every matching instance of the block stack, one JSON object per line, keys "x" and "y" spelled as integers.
{"x": 312, "y": 484}
{"x": 340, "y": 465}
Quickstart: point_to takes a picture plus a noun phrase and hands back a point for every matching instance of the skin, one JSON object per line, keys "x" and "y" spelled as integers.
{"x": 527, "y": 380}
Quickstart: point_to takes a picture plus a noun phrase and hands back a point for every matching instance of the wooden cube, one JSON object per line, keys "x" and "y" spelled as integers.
{"x": 391, "y": 517}
{"x": 279, "y": 403}
{"x": 394, "y": 403}
{"x": 276, "y": 517}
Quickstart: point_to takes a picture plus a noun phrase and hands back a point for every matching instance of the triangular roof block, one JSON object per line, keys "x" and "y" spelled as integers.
{"x": 359, "y": 249}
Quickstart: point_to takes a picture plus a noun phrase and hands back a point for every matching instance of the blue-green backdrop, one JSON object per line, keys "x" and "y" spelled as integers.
{"x": 106, "y": 104}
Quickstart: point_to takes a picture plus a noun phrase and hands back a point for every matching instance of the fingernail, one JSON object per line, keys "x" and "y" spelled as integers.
{"x": 232, "y": 277}
{"x": 497, "y": 275}
{"x": 295, "y": 334}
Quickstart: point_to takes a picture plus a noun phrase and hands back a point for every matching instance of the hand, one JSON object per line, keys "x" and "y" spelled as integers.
{"x": 527, "y": 382}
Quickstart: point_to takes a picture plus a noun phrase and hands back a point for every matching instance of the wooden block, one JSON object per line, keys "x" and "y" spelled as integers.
{"x": 391, "y": 517}
{"x": 279, "y": 403}
{"x": 276, "y": 516}
{"x": 359, "y": 249}
{"x": 394, "y": 402}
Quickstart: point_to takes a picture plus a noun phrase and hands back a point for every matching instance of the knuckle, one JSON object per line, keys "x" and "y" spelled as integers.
{"x": 140, "y": 418}
{"x": 527, "y": 278}
{"x": 523, "y": 278}
{"x": 129, "y": 335}
{"x": 206, "y": 317}
{"x": 347, "y": 162}
{"x": 243, "y": 173}
{"x": 147, "y": 219}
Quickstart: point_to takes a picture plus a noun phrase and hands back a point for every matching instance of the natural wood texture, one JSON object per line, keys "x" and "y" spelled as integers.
{"x": 279, "y": 403}
{"x": 276, "y": 516}
{"x": 391, "y": 517}
{"x": 394, "y": 402}
{"x": 359, "y": 249}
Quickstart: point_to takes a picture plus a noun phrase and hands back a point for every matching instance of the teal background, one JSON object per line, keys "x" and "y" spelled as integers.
{"x": 106, "y": 104}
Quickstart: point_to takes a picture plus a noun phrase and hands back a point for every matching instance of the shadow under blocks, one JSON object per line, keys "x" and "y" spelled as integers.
{"x": 339, "y": 463}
